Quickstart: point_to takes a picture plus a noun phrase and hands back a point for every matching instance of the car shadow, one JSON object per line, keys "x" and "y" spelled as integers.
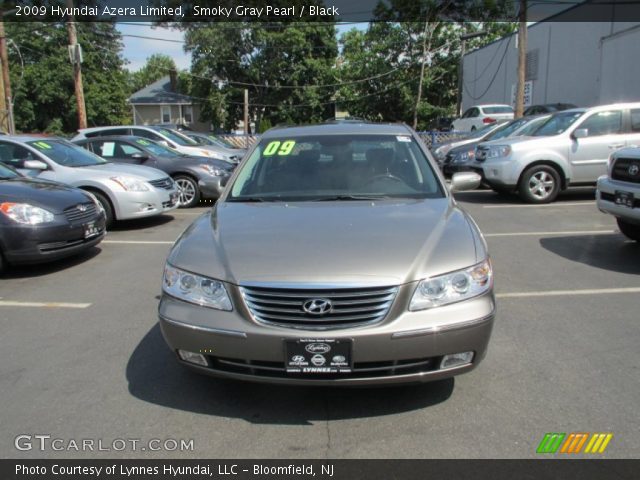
{"x": 612, "y": 252}
{"x": 489, "y": 197}
{"x": 42, "y": 269}
{"x": 156, "y": 377}
{"x": 141, "y": 223}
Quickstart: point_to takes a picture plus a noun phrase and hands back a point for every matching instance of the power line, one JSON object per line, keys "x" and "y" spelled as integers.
{"x": 506, "y": 49}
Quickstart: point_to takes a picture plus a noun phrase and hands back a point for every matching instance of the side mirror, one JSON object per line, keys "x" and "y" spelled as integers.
{"x": 164, "y": 143}
{"x": 462, "y": 181}
{"x": 140, "y": 156}
{"x": 35, "y": 165}
{"x": 580, "y": 133}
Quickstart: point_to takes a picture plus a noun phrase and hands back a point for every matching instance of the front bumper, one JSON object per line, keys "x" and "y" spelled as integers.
{"x": 24, "y": 244}
{"x": 605, "y": 199}
{"x": 130, "y": 205}
{"x": 407, "y": 349}
{"x": 502, "y": 173}
{"x": 211, "y": 187}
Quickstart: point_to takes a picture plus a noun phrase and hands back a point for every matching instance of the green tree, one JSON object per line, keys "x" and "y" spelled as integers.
{"x": 279, "y": 63}
{"x": 156, "y": 66}
{"x": 42, "y": 79}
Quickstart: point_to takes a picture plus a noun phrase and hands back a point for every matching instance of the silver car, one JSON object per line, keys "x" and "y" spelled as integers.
{"x": 570, "y": 149}
{"x": 124, "y": 191}
{"x": 336, "y": 255}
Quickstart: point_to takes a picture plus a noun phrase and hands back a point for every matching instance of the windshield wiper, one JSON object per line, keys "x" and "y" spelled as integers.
{"x": 247, "y": 199}
{"x": 349, "y": 197}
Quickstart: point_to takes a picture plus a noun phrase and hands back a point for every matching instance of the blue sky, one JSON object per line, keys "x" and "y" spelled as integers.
{"x": 137, "y": 50}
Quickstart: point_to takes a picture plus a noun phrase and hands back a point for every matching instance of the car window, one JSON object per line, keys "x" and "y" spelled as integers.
{"x": 128, "y": 150}
{"x": 107, "y": 131}
{"x": 330, "y": 166}
{"x": 15, "y": 155}
{"x": 6, "y": 172}
{"x": 467, "y": 114}
{"x": 176, "y": 137}
{"x": 635, "y": 119}
{"x": 140, "y": 132}
{"x": 474, "y": 113}
{"x": 66, "y": 154}
{"x": 504, "y": 109}
{"x": 603, "y": 123}
{"x": 531, "y": 127}
{"x": 156, "y": 148}
{"x": 557, "y": 123}
{"x": 507, "y": 129}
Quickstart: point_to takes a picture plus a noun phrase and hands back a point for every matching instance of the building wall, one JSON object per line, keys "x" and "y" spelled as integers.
{"x": 150, "y": 114}
{"x": 577, "y": 62}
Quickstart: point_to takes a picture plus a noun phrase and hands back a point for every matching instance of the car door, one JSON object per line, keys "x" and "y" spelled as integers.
{"x": 15, "y": 155}
{"x": 589, "y": 155}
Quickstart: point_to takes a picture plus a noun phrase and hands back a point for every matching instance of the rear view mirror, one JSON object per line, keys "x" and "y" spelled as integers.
{"x": 35, "y": 165}
{"x": 462, "y": 181}
{"x": 580, "y": 133}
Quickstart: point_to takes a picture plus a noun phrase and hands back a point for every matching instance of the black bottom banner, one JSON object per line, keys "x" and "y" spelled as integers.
{"x": 321, "y": 469}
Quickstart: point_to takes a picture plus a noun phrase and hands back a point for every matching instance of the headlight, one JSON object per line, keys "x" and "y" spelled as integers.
{"x": 131, "y": 184}
{"x": 442, "y": 151}
{"x": 464, "y": 157}
{"x": 194, "y": 288}
{"x": 453, "y": 287}
{"x": 211, "y": 170}
{"x": 498, "y": 151}
{"x": 25, "y": 213}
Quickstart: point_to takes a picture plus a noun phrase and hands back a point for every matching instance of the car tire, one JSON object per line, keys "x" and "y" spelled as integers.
{"x": 106, "y": 206}
{"x": 188, "y": 190}
{"x": 3, "y": 263}
{"x": 539, "y": 184}
{"x": 629, "y": 230}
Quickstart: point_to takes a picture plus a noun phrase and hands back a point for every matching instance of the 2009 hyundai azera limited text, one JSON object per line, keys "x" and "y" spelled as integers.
{"x": 336, "y": 256}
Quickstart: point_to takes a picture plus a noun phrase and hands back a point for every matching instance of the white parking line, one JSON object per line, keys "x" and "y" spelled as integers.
{"x": 541, "y": 234}
{"x": 10, "y": 303}
{"x": 140, "y": 242}
{"x": 560, "y": 293}
{"x": 546, "y": 205}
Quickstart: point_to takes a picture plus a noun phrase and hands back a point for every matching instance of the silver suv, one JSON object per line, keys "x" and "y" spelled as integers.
{"x": 336, "y": 255}
{"x": 619, "y": 192}
{"x": 570, "y": 149}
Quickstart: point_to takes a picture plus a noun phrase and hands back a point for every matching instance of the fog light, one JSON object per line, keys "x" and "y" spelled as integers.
{"x": 192, "y": 357}
{"x": 455, "y": 360}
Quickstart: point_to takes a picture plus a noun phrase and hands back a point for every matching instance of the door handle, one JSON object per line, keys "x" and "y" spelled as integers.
{"x": 616, "y": 146}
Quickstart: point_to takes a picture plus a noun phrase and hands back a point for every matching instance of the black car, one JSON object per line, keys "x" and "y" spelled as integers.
{"x": 195, "y": 177}
{"x": 42, "y": 221}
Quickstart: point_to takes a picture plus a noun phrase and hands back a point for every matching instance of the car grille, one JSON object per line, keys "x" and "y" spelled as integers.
{"x": 610, "y": 197}
{"x": 165, "y": 183}
{"x": 360, "y": 369}
{"x": 81, "y": 212}
{"x": 350, "y": 307}
{"x": 621, "y": 170}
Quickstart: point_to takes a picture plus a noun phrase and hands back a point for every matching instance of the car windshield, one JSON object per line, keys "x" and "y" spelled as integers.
{"x": 177, "y": 137}
{"x": 220, "y": 142}
{"x": 67, "y": 154}
{"x": 7, "y": 172}
{"x": 506, "y": 129}
{"x": 336, "y": 167}
{"x": 157, "y": 149}
{"x": 557, "y": 123}
{"x": 483, "y": 131}
{"x": 490, "y": 110}
{"x": 532, "y": 126}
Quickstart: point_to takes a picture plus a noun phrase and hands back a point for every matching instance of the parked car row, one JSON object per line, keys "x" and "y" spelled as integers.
{"x": 57, "y": 197}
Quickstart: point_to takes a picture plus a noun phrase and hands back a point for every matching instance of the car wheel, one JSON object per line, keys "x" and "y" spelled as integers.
{"x": 106, "y": 206}
{"x": 629, "y": 230}
{"x": 539, "y": 184}
{"x": 188, "y": 191}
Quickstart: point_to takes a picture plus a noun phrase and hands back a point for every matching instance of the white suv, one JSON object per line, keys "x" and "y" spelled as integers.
{"x": 480, "y": 116}
{"x": 570, "y": 149}
{"x": 619, "y": 192}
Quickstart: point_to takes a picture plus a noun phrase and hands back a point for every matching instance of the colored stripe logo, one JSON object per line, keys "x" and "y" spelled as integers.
{"x": 574, "y": 443}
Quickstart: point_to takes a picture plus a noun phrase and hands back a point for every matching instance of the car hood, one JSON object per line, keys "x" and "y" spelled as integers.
{"x": 53, "y": 196}
{"x": 111, "y": 169}
{"x": 361, "y": 242}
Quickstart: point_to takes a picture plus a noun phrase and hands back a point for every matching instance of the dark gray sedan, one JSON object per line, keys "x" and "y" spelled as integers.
{"x": 195, "y": 177}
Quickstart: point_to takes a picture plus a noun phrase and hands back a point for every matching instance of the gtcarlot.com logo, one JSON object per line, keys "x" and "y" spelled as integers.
{"x": 574, "y": 443}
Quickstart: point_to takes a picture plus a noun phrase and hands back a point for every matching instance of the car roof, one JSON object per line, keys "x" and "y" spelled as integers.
{"x": 30, "y": 138}
{"x": 340, "y": 128}
{"x": 129, "y": 138}
{"x": 108, "y": 127}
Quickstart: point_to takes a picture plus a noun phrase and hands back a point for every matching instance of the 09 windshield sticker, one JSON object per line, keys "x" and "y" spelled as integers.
{"x": 42, "y": 145}
{"x": 280, "y": 148}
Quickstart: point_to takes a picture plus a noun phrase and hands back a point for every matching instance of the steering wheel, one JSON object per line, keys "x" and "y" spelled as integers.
{"x": 387, "y": 176}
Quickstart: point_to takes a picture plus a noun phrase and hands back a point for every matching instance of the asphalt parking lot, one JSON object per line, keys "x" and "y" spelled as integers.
{"x": 81, "y": 355}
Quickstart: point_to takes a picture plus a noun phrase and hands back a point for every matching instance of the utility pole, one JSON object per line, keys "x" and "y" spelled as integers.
{"x": 6, "y": 80}
{"x": 246, "y": 118}
{"x": 424, "y": 59}
{"x": 463, "y": 40}
{"x": 75, "y": 55}
{"x": 522, "y": 58}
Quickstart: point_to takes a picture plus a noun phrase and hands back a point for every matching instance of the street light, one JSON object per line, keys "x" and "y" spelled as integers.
{"x": 463, "y": 39}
